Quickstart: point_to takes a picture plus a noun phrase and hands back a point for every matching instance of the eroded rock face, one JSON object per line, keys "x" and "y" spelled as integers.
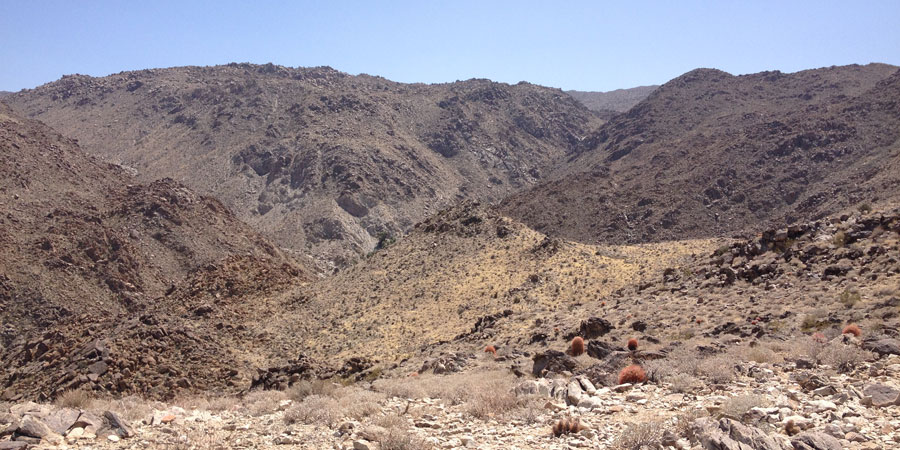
{"x": 552, "y": 361}
{"x": 728, "y": 434}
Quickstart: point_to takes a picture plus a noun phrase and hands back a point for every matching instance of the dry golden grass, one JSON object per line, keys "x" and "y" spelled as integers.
{"x": 79, "y": 398}
{"x": 430, "y": 287}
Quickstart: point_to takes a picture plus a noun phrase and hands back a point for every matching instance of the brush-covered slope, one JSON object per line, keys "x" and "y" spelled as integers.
{"x": 709, "y": 153}
{"x": 94, "y": 268}
{"x": 324, "y": 162}
{"x": 464, "y": 266}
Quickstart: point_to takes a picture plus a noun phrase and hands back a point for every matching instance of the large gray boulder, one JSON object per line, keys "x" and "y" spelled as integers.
{"x": 727, "y": 434}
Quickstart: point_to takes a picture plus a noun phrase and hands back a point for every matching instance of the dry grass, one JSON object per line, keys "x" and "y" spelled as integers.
{"x": 79, "y": 398}
{"x": 718, "y": 369}
{"x": 305, "y": 388}
{"x": 682, "y": 382}
{"x": 258, "y": 403}
{"x": 844, "y": 357}
{"x": 131, "y": 408}
{"x": 400, "y": 438}
{"x": 759, "y": 354}
{"x": 315, "y": 410}
{"x": 491, "y": 400}
{"x": 640, "y": 435}
{"x": 342, "y": 403}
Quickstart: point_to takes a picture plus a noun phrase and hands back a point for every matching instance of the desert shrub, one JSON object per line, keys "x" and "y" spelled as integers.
{"x": 849, "y": 298}
{"x": 78, "y": 398}
{"x": 718, "y": 369}
{"x": 314, "y": 409}
{"x": 577, "y": 347}
{"x": 843, "y": 357}
{"x": 400, "y": 438}
{"x": 682, "y": 382}
{"x": 814, "y": 320}
{"x": 305, "y": 388}
{"x": 358, "y": 403}
{"x": 632, "y": 344}
{"x": 810, "y": 347}
{"x": 530, "y": 410}
{"x": 258, "y": 403}
{"x": 852, "y": 329}
{"x": 839, "y": 239}
{"x": 639, "y": 435}
{"x": 736, "y": 407}
{"x": 491, "y": 400}
{"x": 758, "y": 354}
{"x": 632, "y": 374}
{"x": 864, "y": 208}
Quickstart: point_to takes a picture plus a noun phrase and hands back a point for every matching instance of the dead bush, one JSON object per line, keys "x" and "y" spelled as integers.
{"x": 718, "y": 369}
{"x": 78, "y": 398}
{"x": 258, "y": 403}
{"x": 305, "y": 388}
{"x": 492, "y": 400}
{"x": 843, "y": 357}
{"x": 639, "y": 435}
{"x": 313, "y": 410}
{"x": 682, "y": 382}
{"x": 758, "y": 354}
{"x": 400, "y": 438}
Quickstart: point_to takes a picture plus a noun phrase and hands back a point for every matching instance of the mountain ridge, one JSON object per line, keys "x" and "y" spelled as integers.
{"x": 323, "y": 162}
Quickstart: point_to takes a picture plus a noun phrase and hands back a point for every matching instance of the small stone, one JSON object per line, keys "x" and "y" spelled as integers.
{"x": 113, "y": 438}
{"x": 361, "y": 444}
{"x": 823, "y": 405}
{"x": 855, "y": 437}
{"x": 635, "y": 397}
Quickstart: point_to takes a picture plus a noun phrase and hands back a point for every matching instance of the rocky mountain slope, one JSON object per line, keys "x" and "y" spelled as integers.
{"x": 323, "y": 162}
{"x": 609, "y": 103}
{"x": 711, "y": 154}
{"x": 744, "y": 346}
{"x": 95, "y": 269}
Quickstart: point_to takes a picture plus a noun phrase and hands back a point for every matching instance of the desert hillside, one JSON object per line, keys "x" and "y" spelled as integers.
{"x": 92, "y": 259}
{"x": 323, "y": 162}
{"x": 712, "y": 154}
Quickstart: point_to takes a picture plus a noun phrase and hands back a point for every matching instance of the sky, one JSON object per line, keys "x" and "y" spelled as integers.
{"x": 591, "y": 45}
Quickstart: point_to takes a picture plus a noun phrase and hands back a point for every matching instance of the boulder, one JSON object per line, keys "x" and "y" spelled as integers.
{"x": 118, "y": 425}
{"x": 883, "y": 346}
{"x": 727, "y": 434}
{"x": 34, "y": 428}
{"x": 574, "y": 393}
{"x": 880, "y": 396}
{"x": 552, "y": 361}
{"x": 62, "y": 419}
{"x": 594, "y": 327}
{"x": 810, "y": 440}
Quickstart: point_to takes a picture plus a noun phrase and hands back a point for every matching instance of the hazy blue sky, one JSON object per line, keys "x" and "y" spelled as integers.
{"x": 591, "y": 45}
